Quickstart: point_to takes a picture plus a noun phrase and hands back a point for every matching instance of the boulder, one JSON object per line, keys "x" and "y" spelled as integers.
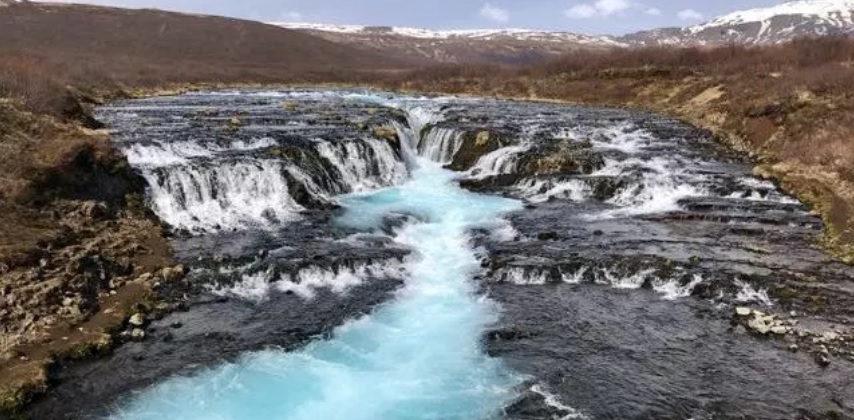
{"x": 171, "y": 274}
{"x": 137, "y": 334}
{"x": 758, "y": 325}
{"x": 780, "y": 330}
{"x": 137, "y": 320}
{"x": 830, "y": 336}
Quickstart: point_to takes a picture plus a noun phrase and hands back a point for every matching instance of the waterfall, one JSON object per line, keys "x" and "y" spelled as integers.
{"x": 210, "y": 186}
{"x": 440, "y": 144}
{"x": 364, "y": 165}
{"x": 222, "y": 195}
{"x": 501, "y": 161}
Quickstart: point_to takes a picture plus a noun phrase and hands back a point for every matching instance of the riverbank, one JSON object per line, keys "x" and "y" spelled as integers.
{"x": 79, "y": 252}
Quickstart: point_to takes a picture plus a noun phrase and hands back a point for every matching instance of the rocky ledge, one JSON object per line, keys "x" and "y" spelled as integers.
{"x": 79, "y": 253}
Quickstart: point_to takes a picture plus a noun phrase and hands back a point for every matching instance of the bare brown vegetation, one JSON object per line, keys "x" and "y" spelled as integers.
{"x": 45, "y": 48}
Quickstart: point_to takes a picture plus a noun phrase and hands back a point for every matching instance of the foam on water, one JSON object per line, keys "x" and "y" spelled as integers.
{"x": 157, "y": 154}
{"x": 672, "y": 289}
{"x": 539, "y": 190}
{"x": 624, "y": 137}
{"x": 256, "y": 287}
{"x": 660, "y": 185}
{"x": 748, "y": 294}
{"x": 417, "y": 357}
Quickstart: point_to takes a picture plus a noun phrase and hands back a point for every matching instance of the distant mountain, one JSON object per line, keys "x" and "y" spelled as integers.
{"x": 762, "y": 26}
{"x": 501, "y": 46}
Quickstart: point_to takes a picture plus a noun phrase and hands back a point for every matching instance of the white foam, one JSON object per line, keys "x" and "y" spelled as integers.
{"x": 653, "y": 196}
{"x": 253, "y": 287}
{"x": 634, "y": 281}
{"x": 625, "y": 137}
{"x": 748, "y": 294}
{"x": 164, "y": 154}
{"x": 539, "y": 190}
{"x": 305, "y": 282}
{"x": 659, "y": 189}
{"x": 159, "y": 154}
{"x": 256, "y": 287}
{"x": 504, "y": 232}
{"x": 576, "y": 277}
{"x": 672, "y": 289}
{"x": 522, "y": 277}
{"x": 553, "y": 401}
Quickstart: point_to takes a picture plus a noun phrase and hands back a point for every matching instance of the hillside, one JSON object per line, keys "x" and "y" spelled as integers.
{"x": 152, "y": 46}
{"x": 487, "y": 46}
{"x": 762, "y": 26}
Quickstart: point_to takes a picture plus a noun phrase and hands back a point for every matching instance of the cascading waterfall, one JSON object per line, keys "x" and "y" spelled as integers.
{"x": 440, "y": 144}
{"x": 501, "y": 161}
{"x": 417, "y": 357}
{"x": 230, "y": 195}
{"x": 191, "y": 190}
{"x": 364, "y": 165}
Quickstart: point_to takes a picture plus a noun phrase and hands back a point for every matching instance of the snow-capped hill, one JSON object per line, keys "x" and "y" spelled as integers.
{"x": 421, "y": 33}
{"x": 502, "y": 46}
{"x": 831, "y": 12}
{"x": 762, "y": 26}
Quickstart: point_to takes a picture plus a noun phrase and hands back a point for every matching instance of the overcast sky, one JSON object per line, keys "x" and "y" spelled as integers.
{"x": 587, "y": 16}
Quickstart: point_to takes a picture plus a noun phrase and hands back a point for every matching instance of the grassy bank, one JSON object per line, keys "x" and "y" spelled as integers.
{"x": 788, "y": 107}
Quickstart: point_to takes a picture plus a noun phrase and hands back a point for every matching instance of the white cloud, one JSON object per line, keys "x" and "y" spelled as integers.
{"x": 690, "y": 14}
{"x": 609, "y": 7}
{"x": 581, "y": 11}
{"x": 599, "y": 8}
{"x": 653, "y": 11}
{"x": 494, "y": 13}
